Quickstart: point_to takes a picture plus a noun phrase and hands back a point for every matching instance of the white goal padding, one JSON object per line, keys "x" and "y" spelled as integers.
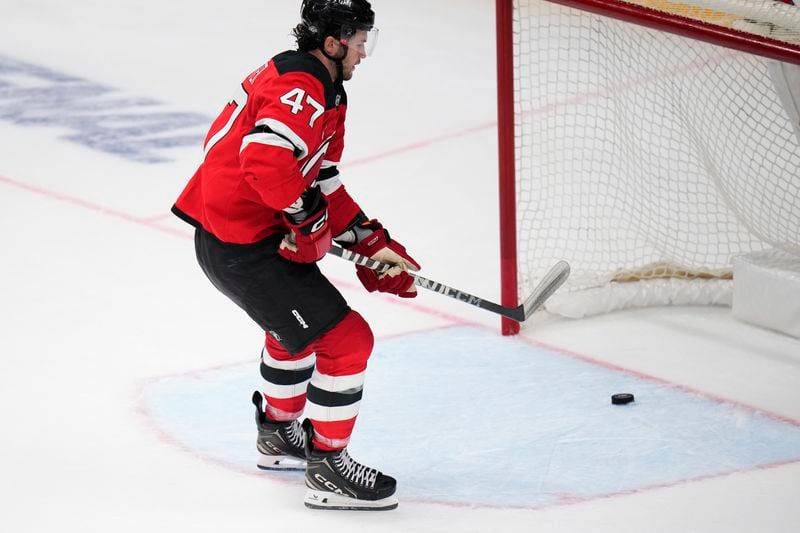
{"x": 767, "y": 290}
{"x": 637, "y": 294}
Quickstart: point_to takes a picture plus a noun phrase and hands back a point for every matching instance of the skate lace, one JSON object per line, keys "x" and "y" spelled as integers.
{"x": 355, "y": 471}
{"x": 295, "y": 435}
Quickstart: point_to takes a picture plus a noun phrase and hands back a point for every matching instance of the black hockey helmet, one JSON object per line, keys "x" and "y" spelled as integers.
{"x": 336, "y": 18}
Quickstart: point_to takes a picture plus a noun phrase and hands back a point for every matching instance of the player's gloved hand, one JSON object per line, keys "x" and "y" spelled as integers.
{"x": 309, "y": 237}
{"x": 380, "y": 247}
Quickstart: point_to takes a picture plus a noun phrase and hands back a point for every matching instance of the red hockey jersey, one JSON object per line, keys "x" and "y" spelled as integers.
{"x": 283, "y": 130}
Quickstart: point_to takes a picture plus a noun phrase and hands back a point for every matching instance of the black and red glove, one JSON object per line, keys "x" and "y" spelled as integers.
{"x": 379, "y": 246}
{"x": 309, "y": 237}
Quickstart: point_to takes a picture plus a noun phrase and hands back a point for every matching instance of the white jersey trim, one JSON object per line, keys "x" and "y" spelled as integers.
{"x": 316, "y": 157}
{"x": 330, "y": 185}
{"x": 270, "y": 139}
{"x": 282, "y": 130}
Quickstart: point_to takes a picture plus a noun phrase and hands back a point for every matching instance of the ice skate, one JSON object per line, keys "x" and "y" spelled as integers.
{"x": 280, "y": 444}
{"x": 336, "y": 481}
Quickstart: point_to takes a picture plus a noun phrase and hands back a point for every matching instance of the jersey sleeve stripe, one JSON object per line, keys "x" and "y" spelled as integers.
{"x": 327, "y": 173}
{"x": 282, "y": 130}
{"x": 268, "y": 138}
{"x": 329, "y": 185}
{"x": 312, "y": 161}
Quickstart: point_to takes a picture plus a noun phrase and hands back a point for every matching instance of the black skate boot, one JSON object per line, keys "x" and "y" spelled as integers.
{"x": 280, "y": 444}
{"x": 336, "y": 481}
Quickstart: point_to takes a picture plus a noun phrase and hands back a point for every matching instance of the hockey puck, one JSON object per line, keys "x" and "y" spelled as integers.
{"x": 621, "y": 398}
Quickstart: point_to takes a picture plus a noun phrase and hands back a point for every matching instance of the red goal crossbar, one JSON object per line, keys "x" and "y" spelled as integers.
{"x": 687, "y": 27}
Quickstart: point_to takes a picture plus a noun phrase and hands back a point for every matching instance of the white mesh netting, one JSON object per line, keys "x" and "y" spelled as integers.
{"x": 642, "y": 154}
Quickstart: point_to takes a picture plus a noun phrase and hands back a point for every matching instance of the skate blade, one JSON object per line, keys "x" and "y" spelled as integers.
{"x": 316, "y": 499}
{"x": 280, "y": 462}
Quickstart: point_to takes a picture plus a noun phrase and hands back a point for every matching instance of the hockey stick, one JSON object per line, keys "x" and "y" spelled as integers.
{"x": 556, "y": 277}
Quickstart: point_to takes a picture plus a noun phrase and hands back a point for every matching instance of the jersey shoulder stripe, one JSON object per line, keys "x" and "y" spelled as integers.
{"x": 296, "y": 61}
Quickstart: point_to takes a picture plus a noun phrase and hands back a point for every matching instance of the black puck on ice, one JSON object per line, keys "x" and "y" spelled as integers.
{"x": 621, "y": 398}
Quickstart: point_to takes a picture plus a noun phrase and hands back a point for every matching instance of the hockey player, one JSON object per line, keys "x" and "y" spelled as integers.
{"x": 267, "y": 202}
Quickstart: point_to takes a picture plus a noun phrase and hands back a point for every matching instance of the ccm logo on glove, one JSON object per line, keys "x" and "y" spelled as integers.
{"x": 309, "y": 237}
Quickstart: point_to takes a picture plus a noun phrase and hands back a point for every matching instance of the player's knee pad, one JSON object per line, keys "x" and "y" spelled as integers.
{"x": 346, "y": 348}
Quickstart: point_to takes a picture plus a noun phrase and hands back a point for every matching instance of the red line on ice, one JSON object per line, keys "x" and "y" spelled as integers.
{"x": 150, "y": 222}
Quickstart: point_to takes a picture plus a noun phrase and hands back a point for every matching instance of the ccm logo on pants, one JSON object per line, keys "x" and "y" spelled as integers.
{"x": 299, "y": 319}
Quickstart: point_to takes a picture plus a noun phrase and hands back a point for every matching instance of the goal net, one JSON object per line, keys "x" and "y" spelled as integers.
{"x": 649, "y": 159}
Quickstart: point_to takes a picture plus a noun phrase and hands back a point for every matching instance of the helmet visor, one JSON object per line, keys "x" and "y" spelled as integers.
{"x": 362, "y": 40}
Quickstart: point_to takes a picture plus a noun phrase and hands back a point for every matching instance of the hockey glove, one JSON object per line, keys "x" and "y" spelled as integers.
{"x": 309, "y": 237}
{"x": 380, "y": 247}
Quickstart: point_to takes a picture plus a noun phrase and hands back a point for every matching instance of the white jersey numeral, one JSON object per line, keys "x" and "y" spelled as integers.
{"x": 319, "y": 109}
{"x": 239, "y": 100}
{"x": 294, "y": 99}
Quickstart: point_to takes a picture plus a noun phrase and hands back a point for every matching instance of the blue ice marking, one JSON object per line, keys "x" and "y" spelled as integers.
{"x": 463, "y": 415}
{"x": 96, "y": 116}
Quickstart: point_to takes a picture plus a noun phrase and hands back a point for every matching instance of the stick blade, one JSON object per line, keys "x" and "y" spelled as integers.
{"x": 549, "y": 284}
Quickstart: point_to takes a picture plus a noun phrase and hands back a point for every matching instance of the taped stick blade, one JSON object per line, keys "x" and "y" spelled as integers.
{"x": 549, "y": 284}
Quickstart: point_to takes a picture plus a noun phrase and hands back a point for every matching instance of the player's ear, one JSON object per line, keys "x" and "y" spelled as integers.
{"x": 331, "y": 45}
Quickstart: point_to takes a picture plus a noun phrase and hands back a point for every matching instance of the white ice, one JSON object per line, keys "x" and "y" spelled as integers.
{"x": 101, "y": 293}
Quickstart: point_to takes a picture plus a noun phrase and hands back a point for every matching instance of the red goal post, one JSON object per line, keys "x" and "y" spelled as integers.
{"x": 712, "y": 165}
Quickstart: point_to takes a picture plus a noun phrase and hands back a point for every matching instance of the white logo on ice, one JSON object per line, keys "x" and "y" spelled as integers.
{"x": 299, "y": 319}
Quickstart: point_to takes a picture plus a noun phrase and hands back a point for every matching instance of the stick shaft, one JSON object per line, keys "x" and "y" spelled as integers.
{"x": 515, "y": 313}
